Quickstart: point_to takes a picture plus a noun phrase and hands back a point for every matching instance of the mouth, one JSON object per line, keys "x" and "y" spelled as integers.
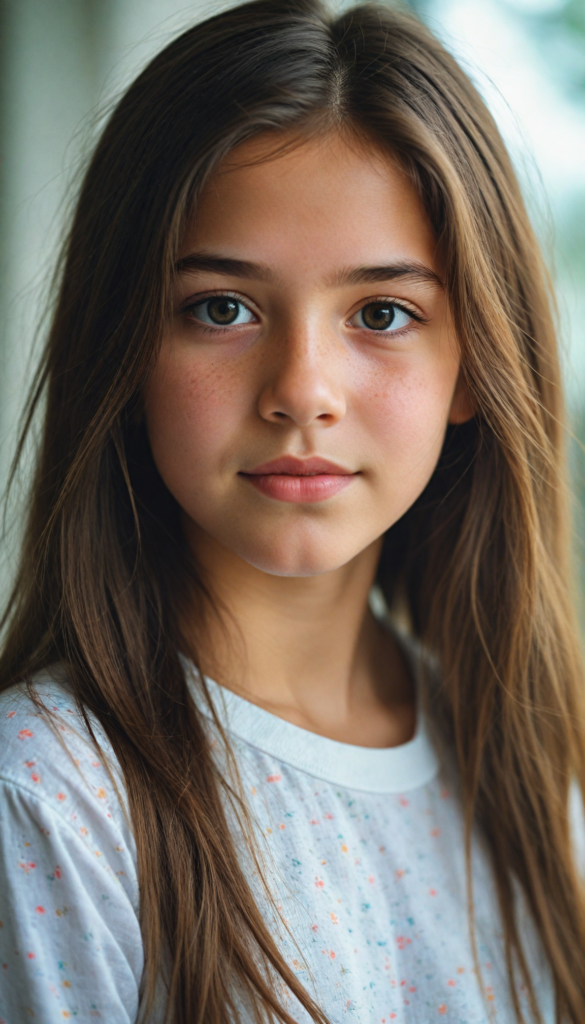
{"x": 300, "y": 480}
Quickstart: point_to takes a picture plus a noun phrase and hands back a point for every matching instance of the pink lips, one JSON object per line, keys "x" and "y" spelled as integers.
{"x": 299, "y": 480}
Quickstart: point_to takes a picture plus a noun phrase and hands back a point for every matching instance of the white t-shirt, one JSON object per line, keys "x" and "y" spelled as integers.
{"x": 363, "y": 851}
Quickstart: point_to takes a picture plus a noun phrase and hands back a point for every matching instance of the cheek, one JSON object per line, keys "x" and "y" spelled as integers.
{"x": 192, "y": 411}
{"x": 409, "y": 405}
{"x": 405, "y": 417}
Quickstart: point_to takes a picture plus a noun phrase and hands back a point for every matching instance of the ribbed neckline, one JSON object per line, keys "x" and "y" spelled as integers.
{"x": 368, "y": 769}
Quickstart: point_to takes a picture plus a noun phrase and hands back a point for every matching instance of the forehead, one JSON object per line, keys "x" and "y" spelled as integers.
{"x": 321, "y": 202}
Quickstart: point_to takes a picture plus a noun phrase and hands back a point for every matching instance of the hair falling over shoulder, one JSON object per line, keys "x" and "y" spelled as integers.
{"x": 481, "y": 558}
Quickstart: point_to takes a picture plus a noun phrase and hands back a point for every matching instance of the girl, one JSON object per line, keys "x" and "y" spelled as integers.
{"x": 292, "y": 699}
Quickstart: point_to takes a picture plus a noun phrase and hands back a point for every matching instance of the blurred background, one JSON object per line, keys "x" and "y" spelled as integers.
{"x": 62, "y": 62}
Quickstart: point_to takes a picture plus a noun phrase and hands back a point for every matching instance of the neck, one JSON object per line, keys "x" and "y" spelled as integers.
{"x": 307, "y": 649}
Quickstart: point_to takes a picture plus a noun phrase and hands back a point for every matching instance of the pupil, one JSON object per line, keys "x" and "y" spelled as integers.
{"x": 377, "y": 316}
{"x": 222, "y": 311}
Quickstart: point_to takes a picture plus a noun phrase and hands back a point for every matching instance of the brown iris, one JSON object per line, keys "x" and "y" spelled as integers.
{"x": 222, "y": 310}
{"x": 378, "y": 315}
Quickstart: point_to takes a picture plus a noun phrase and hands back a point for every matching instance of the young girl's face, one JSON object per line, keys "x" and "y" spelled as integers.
{"x": 301, "y": 396}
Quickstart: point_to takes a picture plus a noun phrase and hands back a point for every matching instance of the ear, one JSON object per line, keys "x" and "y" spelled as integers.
{"x": 462, "y": 408}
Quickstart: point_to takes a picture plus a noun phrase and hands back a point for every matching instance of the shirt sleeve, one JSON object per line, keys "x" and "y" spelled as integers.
{"x": 69, "y": 937}
{"x": 70, "y": 941}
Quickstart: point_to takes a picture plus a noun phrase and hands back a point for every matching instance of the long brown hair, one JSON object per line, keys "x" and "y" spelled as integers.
{"x": 481, "y": 558}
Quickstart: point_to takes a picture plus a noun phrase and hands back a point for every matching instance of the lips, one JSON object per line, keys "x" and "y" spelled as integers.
{"x": 289, "y": 465}
{"x": 299, "y": 480}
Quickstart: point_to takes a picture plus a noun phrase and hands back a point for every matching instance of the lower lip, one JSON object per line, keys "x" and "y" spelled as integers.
{"x": 300, "y": 488}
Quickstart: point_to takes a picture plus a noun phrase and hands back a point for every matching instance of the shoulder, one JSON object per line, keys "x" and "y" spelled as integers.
{"x": 49, "y": 761}
{"x": 70, "y": 940}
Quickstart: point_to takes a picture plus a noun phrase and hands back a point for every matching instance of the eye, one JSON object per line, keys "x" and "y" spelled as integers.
{"x": 382, "y": 316}
{"x": 221, "y": 311}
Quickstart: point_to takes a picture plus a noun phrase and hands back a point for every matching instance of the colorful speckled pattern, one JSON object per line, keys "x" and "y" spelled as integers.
{"x": 370, "y": 882}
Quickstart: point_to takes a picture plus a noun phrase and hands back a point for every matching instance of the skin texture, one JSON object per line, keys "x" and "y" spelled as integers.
{"x": 304, "y": 377}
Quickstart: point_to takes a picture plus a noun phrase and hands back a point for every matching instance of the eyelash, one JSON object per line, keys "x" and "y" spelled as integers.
{"x": 207, "y": 329}
{"x": 400, "y": 304}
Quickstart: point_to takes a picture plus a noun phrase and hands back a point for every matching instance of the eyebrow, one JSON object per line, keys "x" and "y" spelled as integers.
{"x": 230, "y": 267}
{"x": 411, "y": 269}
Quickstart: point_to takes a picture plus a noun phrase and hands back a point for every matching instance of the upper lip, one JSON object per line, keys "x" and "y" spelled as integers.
{"x": 288, "y": 465}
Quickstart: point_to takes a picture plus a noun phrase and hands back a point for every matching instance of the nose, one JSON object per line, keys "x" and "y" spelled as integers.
{"x": 304, "y": 382}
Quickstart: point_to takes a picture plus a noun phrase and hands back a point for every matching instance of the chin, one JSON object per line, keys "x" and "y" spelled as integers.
{"x": 290, "y": 557}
